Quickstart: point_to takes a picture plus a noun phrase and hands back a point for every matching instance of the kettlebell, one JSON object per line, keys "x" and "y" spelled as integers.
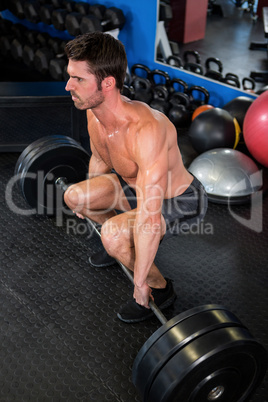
{"x": 179, "y": 113}
{"x": 139, "y": 70}
{"x": 128, "y": 91}
{"x": 194, "y": 68}
{"x": 198, "y": 96}
{"x": 160, "y": 99}
{"x": 174, "y": 61}
{"x": 159, "y": 77}
{"x": 251, "y": 82}
{"x": 143, "y": 89}
{"x": 193, "y": 55}
{"x": 212, "y": 73}
{"x": 231, "y": 79}
{"x": 177, "y": 85}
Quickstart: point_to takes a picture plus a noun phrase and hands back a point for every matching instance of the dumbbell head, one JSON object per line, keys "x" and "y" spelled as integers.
{"x": 17, "y": 8}
{"x": 56, "y": 45}
{"x": 12, "y": 40}
{"x": 72, "y": 23}
{"x": 90, "y": 23}
{"x": 58, "y": 18}
{"x": 56, "y": 67}
{"x": 42, "y": 38}
{"x": 29, "y": 53}
{"x": 5, "y": 45}
{"x": 98, "y": 10}
{"x": 113, "y": 18}
{"x": 16, "y": 49}
{"x": 42, "y": 59}
{"x": 46, "y": 13}
{"x": 32, "y": 11}
{"x": 82, "y": 8}
{"x": 56, "y": 3}
{"x": 69, "y": 5}
{"x": 30, "y": 37}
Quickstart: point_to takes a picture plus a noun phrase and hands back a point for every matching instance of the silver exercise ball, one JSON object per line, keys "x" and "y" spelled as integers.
{"x": 228, "y": 175}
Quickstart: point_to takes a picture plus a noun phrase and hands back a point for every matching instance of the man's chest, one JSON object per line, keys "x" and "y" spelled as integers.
{"x": 116, "y": 152}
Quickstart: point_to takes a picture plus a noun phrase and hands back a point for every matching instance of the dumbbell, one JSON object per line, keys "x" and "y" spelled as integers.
{"x": 32, "y": 11}
{"x": 91, "y": 20}
{"x": 29, "y": 48}
{"x": 94, "y": 15}
{"x": 98, "y": 18}
{"x": 51, "y": 59}
{"x": 17, "y": 41}
{"x": 58, "y": 67}
{"x": 46, "y": 56}
{"x": 46, "y": 10}
{"x": 113, "y": 18}
{"x": 60, "y": 17}
{"x": 46, "y": 13}
{"x": 16, "y": 7}
{"x": 34, "y": 41}
{"x": 6, "y": 36}
{"x": 35, "y": 49}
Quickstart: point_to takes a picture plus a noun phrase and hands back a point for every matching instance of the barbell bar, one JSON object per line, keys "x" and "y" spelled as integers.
{"x": 203, "y": 354}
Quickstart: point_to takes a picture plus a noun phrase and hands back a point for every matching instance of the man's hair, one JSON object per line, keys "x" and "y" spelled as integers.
{"x": 104, "y": 55}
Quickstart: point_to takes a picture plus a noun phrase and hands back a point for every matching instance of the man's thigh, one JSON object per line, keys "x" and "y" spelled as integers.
{"x": 102, "y": 192}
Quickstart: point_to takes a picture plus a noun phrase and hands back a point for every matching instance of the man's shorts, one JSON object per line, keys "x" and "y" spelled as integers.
{"x": 181, "y": 212}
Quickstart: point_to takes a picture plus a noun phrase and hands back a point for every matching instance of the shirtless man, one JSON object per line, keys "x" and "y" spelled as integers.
{"x": 135, "y": 167}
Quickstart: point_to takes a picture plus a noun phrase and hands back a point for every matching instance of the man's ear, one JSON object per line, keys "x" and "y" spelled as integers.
{"x": 108, "y": 83}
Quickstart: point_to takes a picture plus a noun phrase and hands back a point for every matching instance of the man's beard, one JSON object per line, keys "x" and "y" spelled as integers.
{"x": 90, "y": 103}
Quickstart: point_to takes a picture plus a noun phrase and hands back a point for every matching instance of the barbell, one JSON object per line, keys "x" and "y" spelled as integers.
{"x": 203, "y": 354}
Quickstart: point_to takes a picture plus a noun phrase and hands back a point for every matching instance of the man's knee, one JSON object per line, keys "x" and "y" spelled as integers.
{"x": 74, "y": 196}
{"x": 112, "y": 237}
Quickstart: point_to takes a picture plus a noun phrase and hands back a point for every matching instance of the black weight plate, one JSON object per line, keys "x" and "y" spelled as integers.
{"x": 165, "y": 328}
{"x": 60, "y": 159}
{"x": 38, "y": 144}
{"x": 176, "y": 338}
{"x": 42, "y": 147}
{"x": 224, "y": 365}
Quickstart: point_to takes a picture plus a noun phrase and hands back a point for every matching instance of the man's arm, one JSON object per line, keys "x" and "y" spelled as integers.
{"x": 152, "y": 160}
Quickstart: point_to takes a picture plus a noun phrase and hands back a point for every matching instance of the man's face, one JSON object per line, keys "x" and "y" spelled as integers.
{"x": 83, "y": 86}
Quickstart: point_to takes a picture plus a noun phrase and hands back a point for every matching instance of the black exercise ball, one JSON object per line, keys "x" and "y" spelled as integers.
{"x": 211, "y": 129}
{"x": 238, "y": 107}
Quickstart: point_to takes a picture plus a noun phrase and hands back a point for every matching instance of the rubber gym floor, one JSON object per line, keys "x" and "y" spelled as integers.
{"x": 60, "y": 337}
{"x": 59, "y": 333}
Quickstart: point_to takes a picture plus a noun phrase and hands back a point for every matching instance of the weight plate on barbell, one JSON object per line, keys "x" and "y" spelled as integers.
{"x": 177, "y": 337}
{"x": 172, "y": 338}
{"x": 58, "y": 157}
{"x": 43, "y": 147}
{"x": 165, "y": 328}
{"x": 224, "y": 365}
{"x": 40, "y": 142}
